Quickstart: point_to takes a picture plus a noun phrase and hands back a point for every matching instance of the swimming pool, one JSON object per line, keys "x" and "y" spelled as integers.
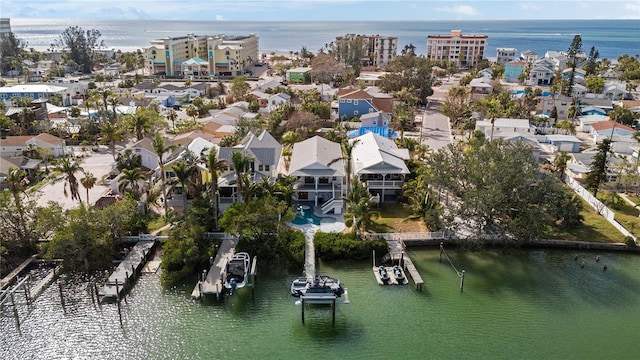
{"x": 306, "y": 216}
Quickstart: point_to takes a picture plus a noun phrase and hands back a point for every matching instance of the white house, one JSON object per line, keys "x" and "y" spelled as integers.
{"x": 380, "y": 164}
{"x": 320, "y": 169}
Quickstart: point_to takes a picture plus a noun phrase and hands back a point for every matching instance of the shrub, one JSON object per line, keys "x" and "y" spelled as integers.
{"x": 333, "y": 246}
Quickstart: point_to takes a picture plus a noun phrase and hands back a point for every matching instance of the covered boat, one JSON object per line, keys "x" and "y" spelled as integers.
{"x": 237, "y": 272}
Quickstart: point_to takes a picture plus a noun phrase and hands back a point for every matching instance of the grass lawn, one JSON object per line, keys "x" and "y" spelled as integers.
{"x": 392, "y": 219}
{"x": 594, "y": 228}
{"x": 156, "y": 223}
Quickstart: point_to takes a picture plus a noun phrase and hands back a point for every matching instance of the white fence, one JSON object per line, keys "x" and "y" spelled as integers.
{"x": 601, "y": 208}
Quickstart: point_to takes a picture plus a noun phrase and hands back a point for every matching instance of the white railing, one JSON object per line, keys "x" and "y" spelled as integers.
{"x": 601, "y": 208}
{"x": 385, "y": 184}
{"x": 402, "y": 236}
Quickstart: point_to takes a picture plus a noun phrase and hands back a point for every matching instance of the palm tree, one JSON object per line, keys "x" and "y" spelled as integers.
{"x": 360, "y": 208}
{"x": 347, "y": 149}
{"x": 88, "y": 181}
{"x": 128, "y": 182}
{"x": 140, "y": 124}
{"x": 560, "y": 163}
{"x": 172, "y": 115}
{"x": 241, "y": 163}
{"x": 183, "y": 175}
{"x": 114, "y": 102}
{"x": 160, "y": 148}
{"x": 15, "y": 181}
{"x": 111, "y": 133}
{"x": 68, "y": 167}
{"x": 215, "y": 166}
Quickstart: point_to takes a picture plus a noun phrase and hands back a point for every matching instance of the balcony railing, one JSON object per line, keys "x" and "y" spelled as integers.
{"x": 387, "y": 184}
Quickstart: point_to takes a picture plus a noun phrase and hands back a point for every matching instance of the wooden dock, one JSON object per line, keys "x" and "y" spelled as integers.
{"x": 397, "y": 253}
{"x": 213, "y": 284}
{"x": 126, "y": 270}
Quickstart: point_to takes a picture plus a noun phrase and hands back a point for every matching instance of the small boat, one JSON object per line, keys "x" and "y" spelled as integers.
{"x": 384, "y": 275}
{"x": 236, "y": 272}
{"x": 298, "y": 286}
{"x": 321, "y": 285}
{"x": 398, "y": 274}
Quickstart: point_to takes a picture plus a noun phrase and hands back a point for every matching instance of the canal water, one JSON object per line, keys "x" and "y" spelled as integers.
{"x": 523, "y": 305}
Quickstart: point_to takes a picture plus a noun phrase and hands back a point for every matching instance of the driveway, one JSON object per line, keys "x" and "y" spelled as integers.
{"x": 99, "y": 164}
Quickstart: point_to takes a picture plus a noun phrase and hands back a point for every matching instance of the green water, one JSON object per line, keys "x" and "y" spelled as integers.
{"x": 524, "y": 305}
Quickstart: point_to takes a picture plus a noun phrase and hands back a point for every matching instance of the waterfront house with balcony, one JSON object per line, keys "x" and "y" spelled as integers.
{"x": 380, "y": 164}
{"x": 319, "y": 166}
{"x": 264, "y": 152}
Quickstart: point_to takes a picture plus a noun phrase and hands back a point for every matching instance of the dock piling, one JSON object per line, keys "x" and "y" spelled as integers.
{"x": 61, "y": 294}
{"x": 441, "y": 251}
{"x": 15, "y": 310}
{"x": 462, "y": 281}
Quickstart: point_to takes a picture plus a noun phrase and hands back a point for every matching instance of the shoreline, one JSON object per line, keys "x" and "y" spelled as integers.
{"x": 542, "y": 243}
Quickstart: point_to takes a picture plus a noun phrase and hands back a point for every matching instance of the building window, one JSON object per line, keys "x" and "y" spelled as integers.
{"x": 355, "y": 112}
{"x": 355, "y": 102}
{"x": 267, "y": 168}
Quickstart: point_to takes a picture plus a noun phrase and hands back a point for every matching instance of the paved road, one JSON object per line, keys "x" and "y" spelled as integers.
{"x": 99, "y": 164}
{"x": 436, "y": 131}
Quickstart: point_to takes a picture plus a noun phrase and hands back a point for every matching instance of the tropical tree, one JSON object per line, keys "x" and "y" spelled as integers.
{"x": 346, "y": 147}
{"x": 15, "y": 181}
{"x": 139, "y": 123}
{"x": 403, "y": 117}
{"x": 239, "y": 87}
{"x": 111, "y": 133}
{"x": 422, "y": 205}
{"x": 172, "y": 116}
{"x": 183, "y": 172}
{"x": 456, "y": 105}
{"x": 624, "y": 115}
{"x": 88, "y": 181}
{"x": 68, "y": 167}
{"x": 560, "y": 162}
{"x": 128, "y": 182}
{"x": 360, "y": 213}
{"x": 160, "y": 148}
{"x": 216, "y": 166}
{"x": 128, "y": 160}
{"x": 81, "y": 45}
{"x": 241, "y": 162}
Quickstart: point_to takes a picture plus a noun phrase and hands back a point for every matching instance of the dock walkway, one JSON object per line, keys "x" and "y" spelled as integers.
{"x": 126, "y": 270}
{"x": 213, "y": 282}
{"x": 397, "y": 252}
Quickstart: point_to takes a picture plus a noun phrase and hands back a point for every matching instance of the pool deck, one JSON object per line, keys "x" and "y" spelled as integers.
{"x": 333, "y": 226}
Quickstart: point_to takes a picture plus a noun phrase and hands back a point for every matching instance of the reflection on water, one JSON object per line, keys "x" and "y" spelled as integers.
{"x": 535, "y": 304}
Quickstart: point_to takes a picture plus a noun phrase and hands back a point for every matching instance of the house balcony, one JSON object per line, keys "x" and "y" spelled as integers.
{"x": 385, "y": 184}
{"x": 324, "y": 187}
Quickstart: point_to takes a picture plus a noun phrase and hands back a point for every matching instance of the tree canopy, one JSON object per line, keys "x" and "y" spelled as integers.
{"x": 80, "y": 44}
{"x": 497, "y": 189}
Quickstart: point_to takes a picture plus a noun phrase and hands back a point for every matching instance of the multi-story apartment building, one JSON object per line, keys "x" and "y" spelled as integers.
{"x": 202, "y": 55}
{"x": 5, "y": 26}
{"x": 378, "y": 50}
{"x": 505, "y": 55}
{"x": 463, "y": 50}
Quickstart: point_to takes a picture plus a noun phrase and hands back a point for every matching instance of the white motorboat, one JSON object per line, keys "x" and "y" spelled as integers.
{"x": 236, "y": 272}
{"x": 321, "y": 285}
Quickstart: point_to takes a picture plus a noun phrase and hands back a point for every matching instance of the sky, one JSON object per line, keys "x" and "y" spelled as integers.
{"x": 291, "y": 10}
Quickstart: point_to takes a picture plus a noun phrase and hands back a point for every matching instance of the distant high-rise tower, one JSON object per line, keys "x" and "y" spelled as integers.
{"x": 5, "y": 26}
{"x": 461, "y": 49}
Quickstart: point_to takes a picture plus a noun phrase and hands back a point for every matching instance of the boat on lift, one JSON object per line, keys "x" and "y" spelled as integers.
{"x": 320, "y": 285}
{"x": 236, "y": 273}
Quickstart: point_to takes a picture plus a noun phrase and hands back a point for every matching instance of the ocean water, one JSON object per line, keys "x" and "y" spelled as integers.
{"x": 611, "y": 38}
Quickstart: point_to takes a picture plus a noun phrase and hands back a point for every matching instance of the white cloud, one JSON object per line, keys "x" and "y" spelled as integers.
{"x": 635, "y": 7}
{"x": 459, "y": 9}
{"x": 220, "y": 18}
{"x": 529, "y": 7}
